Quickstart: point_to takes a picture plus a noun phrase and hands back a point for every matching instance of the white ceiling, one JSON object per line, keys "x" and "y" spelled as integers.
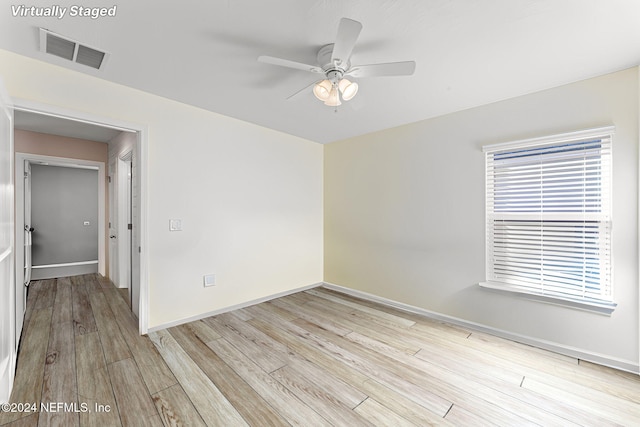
{"x": 468, "y": 53}
{"x": 35, "y": 122}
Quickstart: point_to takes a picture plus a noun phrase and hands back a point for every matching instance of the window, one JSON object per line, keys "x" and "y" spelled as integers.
{"x": 548, "y": 218}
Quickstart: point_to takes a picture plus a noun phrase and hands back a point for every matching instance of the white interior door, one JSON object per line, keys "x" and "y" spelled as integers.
{"x": 129, "y": 221}
{"x": 21, "y": 288}
{"x": 127, "y": 225}
{"x": 7, "y": 249}
{"x": 28, "y": 229}
{"x": 125, "y": 228}
{"x": 134, "y": 288}
{"x": 114, "y": 271}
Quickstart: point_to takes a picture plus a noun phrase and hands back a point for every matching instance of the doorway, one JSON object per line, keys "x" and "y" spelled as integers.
{"x": 138, "y": 272}
{"x": 63, "y": 227}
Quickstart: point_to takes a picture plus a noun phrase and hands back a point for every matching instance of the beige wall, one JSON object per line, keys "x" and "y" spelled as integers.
{"x": 70, "y": 148}
{"x": 404, "y": 213}
{"x": 59, "y": 146}
{"x": 250, "y": 198}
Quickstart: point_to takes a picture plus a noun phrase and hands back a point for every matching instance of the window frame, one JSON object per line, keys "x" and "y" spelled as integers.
{"x": 602, "y": 306}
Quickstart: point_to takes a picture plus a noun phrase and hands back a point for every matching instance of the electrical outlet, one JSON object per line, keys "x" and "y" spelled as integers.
{"x": 175, "y": 225}
{"x": 209, "y": 280}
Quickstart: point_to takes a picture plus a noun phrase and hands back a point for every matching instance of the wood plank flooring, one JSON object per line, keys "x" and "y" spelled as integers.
{"x": 315, "y": 358}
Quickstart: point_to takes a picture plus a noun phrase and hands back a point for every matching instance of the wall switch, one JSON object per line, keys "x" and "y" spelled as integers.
{"x": 175, "y": 225}
{"x": 209, "y": 280}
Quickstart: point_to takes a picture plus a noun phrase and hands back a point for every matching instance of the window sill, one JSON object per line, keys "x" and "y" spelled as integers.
{"x": 592, "y": 306}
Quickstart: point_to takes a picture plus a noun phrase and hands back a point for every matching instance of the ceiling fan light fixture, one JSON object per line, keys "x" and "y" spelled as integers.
{"x": 348, "y": 89}
{"x": 334, "y": 98}
{"x": 322, "y": 90}
{"x": 333, "y": 61}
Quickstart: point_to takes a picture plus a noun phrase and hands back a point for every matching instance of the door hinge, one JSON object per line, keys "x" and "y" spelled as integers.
{"x": 130, "y": 226}
{"x": 109, "y": 178}
{"x": 139, "y": 250}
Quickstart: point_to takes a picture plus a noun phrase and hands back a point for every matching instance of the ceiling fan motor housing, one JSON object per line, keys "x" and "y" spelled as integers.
{"x": 334, "y": 75}
{"x": 333, "y": 70}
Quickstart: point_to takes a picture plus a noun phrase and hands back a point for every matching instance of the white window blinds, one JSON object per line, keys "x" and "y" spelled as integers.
{"x": 548, "y": 216}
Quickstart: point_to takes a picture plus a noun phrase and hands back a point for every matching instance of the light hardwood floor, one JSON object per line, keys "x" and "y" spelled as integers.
{"x": 309, "y": 359}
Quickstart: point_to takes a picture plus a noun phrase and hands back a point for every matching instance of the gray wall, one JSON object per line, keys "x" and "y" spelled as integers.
{"x": 62, "y": 199}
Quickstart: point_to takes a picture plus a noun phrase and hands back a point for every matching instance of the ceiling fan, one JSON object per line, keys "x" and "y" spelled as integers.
{"x": 334, "y": 63}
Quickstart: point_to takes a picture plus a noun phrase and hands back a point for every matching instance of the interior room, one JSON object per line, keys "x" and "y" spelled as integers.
{"x": 391, "y": 213}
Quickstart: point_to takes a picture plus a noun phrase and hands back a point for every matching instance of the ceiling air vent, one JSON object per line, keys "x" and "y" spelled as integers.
{"x": 69, "y": 49}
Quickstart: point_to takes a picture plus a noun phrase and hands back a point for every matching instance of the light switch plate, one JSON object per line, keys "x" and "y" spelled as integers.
{"x": 175, "y": 225}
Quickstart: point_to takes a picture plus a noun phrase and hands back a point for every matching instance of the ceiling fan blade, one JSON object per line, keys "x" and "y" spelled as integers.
{"x": 289, "y": 64}
{"x": 405, "y": 68}
{"x": 302, "y": 90}
{"x": 348, "y": 32}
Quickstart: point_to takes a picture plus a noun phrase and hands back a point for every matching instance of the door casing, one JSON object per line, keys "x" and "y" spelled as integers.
{"x": 8, "y": 332}
{"x": 21, "y": 160}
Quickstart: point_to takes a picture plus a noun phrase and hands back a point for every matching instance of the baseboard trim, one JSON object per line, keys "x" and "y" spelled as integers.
{"x": 600, "y": 359}
{"x": 51, "y": 271}
{"x": 232, "y": 307}
{"x": 65, "y": 264}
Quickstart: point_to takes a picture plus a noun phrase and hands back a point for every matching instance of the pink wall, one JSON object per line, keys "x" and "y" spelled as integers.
{"x": 59, "y": 146}
{"x": 70, "y": 148}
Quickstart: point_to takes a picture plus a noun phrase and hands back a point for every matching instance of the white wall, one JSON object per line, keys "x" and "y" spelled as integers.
{"x": 250, "y": 198}
{"x": 404, "y": 214}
